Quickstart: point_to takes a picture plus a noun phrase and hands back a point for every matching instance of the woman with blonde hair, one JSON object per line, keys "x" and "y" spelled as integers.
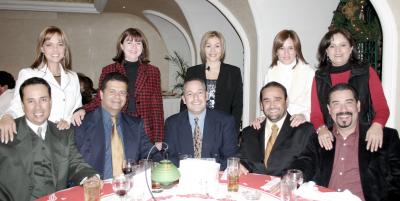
{"x": 52, "y": 63}
{"x": 224, "y": 81}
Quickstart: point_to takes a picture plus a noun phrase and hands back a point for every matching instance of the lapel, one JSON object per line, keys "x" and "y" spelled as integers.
{"x": 261, "y": 138}
{"x": 57, "y": 147}
{"x": 130, "y": 140}
{"x": 97, "y": 139}
{"x": 140, "y": 79}
{"x": 65, "y": 78}
{"x": 221, "y": 80}
{"x": 327, "y": 157}
{"x": 209, "y": 132}
{"x": 186, "y": 136}
{"x": 364, "y": 156}
{"x": 24, "y": 143}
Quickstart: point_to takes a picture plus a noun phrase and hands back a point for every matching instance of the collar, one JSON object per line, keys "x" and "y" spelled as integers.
{"x": 339, "y": 69}
{"x": 201, "y": 116}
{"x": 287, "y": 66}
{"x": 278, "y": 123}
{"x": 35, "y": 127}
{"x": 337, "y": 134}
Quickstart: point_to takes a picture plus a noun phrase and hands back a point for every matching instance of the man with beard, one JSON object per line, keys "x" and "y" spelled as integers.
{"x": 273, "y": 147}
{"x": 349, "y": 165}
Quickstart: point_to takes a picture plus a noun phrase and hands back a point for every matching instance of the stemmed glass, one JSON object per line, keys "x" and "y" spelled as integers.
{"x": 295, "y": 176}
{"x": 121, "y": 186}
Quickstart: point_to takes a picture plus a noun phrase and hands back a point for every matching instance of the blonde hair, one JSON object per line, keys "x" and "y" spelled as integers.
{"x": 203, "y": 43}
{"x": 44, "y": 36}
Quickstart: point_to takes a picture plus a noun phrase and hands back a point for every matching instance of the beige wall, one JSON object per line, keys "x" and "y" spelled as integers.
{"x": 92, "y": 39}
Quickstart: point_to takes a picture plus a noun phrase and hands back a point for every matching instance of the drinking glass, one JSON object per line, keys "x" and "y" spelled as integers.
{"x": 296, "y": 176}
{"x": 233, "y": 174}
{"x": 121, "y": 186}
{"x": 92, "y": 189}
{"x": 127, "y": 166}
{"x": 288, "y": 187}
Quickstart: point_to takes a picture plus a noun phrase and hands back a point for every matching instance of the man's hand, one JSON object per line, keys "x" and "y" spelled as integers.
{"x": 243, "y": 170}
{"x": 256, "y": 124}
{"x": 325, "y": 138}
{"x": 7, "y": 129}
{"x": 374, "y": 137}
{"x": 297, "y": 119}
{"x": 62, "y": 124}
{"x": 77, "y": 117}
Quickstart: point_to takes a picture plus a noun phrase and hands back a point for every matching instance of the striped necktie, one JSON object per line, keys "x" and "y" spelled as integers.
{"x": 270, "y": 144}
{"x": 197, "y": 139}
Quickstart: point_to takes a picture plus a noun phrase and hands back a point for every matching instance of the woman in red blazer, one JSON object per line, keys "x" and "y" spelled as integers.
{"x": 144, "y": 89}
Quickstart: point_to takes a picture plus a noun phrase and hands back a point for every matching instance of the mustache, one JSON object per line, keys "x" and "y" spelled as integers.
{"x": 344, "y": 113}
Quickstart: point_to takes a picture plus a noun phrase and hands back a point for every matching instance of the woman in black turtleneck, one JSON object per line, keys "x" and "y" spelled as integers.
{"x": 339, "y": 63}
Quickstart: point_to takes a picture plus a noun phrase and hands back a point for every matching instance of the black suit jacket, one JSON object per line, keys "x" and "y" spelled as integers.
{"x": 289, "y": 144}
{"x": 90, "y": 139}
{"x": 219, "y": 137}
{"x": 16, "y": 161}
{"x": 379, "y": 171}
{"x": 229, "y": 91}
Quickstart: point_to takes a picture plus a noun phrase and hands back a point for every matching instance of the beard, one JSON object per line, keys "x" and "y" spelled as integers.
{"x": 344, "y": 123}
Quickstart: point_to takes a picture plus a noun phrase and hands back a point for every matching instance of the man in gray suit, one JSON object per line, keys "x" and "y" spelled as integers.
{"x": 42, "y": 159}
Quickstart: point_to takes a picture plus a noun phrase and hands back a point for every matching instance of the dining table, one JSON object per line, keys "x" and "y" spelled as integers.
{"x": 249, "y": 182}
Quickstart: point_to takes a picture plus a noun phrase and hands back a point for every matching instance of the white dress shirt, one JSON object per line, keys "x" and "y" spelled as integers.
{"x": 65, "y": 98}
{"x": 268, "y": 131}
{"x": 35, "y": 128}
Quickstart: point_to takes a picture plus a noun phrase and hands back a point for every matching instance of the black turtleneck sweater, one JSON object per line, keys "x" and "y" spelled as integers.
{"x": 131, "y": 73}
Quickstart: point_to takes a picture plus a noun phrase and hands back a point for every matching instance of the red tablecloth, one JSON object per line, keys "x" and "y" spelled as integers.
{"x": 76, "y": 193}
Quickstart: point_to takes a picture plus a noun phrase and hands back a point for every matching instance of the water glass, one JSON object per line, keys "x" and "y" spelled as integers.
{"x": 296, "y": 176}
{"x": 288, "y": 187}
{"x": 233, "y": 174}
{"x": 92, "y": 189}
{"x": 121, "y": 185}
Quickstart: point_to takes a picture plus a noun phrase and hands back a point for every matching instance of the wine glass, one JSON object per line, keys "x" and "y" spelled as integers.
{"x": 295, "y": 176}
{"x": 127, "y": 166}
{"x": 121, "y": 186}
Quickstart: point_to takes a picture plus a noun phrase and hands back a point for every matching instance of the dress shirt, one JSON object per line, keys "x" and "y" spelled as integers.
{"x": 268, "y": 131}
{"x": 5, "y": 100}
{"x": 108, "y": 129}
{"x": 65, "y": 97}
{"x": 200, "y": 122}
{"x": 345, "y": 172}
{"x": 35, "y": 127}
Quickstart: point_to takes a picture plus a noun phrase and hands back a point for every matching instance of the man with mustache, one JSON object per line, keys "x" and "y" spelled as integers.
{"x": 273, "y": 147}
{"x": 349, "y": 165}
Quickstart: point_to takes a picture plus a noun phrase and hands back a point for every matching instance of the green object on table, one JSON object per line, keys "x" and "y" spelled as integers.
{"x": 165, "y": 173}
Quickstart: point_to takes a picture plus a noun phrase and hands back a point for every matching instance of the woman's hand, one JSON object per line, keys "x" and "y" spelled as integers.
{"x": 374, "y": 137}
{"x": 62, "y": 124}
{"x": 297, "y": 119}
{"x": 325, "y": 138}
{"x": 7, "y": 129}
{"x": 257, "y": 122}
{"x": 77, "y": 117}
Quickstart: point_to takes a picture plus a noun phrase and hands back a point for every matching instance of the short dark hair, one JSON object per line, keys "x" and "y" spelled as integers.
{"x": 7, "y": 79}
{"x": 342, "y": 87}
{"x": 274, "y": 84}
{"x": 33, "y": 81}
{"x": 194, "y": 79}
{"x": 111, "y": 77}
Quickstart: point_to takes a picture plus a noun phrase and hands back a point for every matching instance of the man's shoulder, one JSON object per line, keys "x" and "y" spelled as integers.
{"x": 218, "y": 114}
{"x": 177, "y": 117}
{"x": 250, "y": 131}
{"x": 131, "y": 120}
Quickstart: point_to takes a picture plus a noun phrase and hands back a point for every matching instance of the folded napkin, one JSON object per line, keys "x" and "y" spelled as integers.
{"x": 310, "y": 191}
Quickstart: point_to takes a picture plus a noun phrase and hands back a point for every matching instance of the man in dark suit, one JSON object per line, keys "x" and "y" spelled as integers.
{"x": 95, "y": 136}
{"x": 42, "y": 158}
{"x": 349, "y": 165}
{"x": 200, "y": 132}
{"x": 271, "y": 149}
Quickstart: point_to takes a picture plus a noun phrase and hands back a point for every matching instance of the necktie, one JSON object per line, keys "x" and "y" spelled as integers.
{"x": 197, "y": 139}
{"x": 271, "y": 141}
{"x": 39, "y": 132}
{"x": 117, "y": 150}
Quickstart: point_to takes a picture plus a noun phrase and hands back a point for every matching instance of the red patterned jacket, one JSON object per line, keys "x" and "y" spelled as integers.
{"x": 148, "y": 98}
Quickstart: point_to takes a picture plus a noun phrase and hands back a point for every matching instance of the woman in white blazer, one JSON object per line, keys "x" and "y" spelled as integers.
{"x": 52, "y": 63}
{"x": 289, "y": 68}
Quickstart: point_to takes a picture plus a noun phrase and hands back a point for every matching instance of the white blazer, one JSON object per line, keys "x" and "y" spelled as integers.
{"x": 298, "y": 82}
{"x": 65, "y": 99}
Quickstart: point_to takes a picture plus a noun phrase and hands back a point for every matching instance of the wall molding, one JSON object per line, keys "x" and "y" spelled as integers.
{"x": 48, "y": 6}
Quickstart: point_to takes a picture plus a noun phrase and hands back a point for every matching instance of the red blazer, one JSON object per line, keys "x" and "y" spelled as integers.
{"x": 149, "y": 105}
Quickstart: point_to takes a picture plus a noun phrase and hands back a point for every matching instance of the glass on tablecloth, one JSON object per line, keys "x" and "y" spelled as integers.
{"x": 233, "y": 174}
{"x": 92, "y": 189}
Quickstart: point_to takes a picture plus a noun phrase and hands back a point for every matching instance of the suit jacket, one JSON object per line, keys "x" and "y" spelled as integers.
{"x": 289, "y": 144}
{"x": 16, "y": 161}
{"x": 147, "y": 92}
{"x": 379, "y": 171}
{"x": 219, "y": 137}
{"x": 229, "y": 90}
{"x": 90, "y": 139}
